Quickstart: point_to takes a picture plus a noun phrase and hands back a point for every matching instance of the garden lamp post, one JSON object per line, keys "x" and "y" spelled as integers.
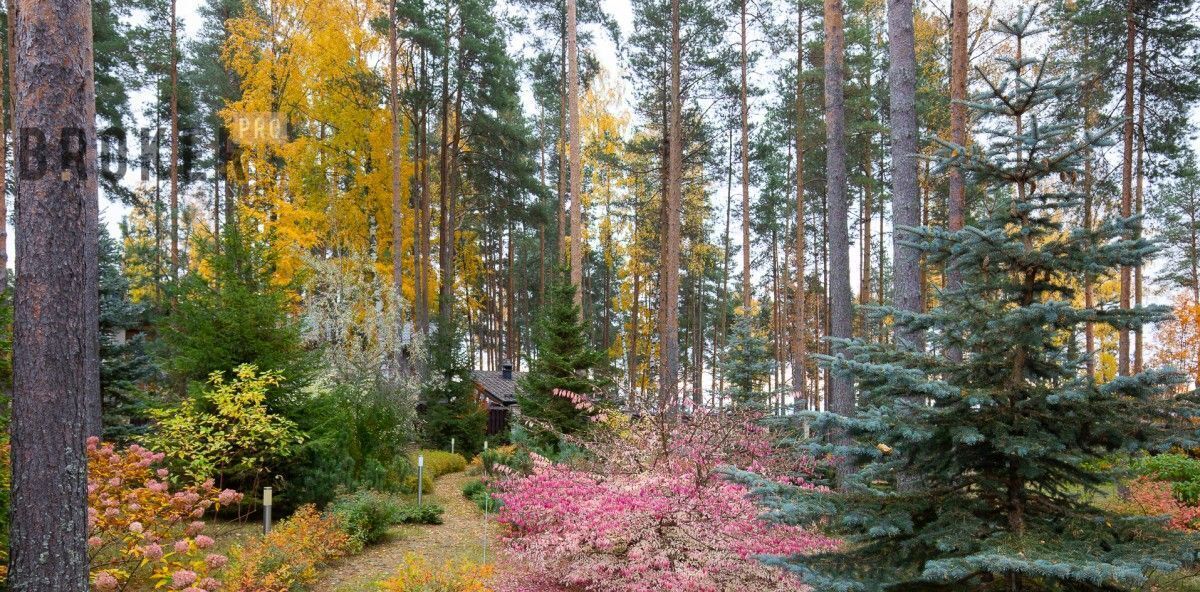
{"x": 420, "y": 477}
{"x": 266, "y": 510}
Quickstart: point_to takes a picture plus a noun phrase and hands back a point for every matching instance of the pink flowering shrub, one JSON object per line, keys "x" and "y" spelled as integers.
{"x": 653, "y": 513}
{"x": 139, "y": 529}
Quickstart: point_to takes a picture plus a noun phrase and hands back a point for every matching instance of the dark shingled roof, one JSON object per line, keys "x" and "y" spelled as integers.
{"x": 493, "y": 381}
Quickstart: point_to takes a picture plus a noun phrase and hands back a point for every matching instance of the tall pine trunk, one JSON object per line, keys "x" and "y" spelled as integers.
{"x": 56, "y": 380}
{"x": 394, "y": 108}
{"x": 957, "y": 200}
{"x": 668, "y": 379}
{"x": 174, "y": 171}
{"x": 445, "y": 231}
{"x": 799, "y": 323}
{"x": 1127, "y": 180}
{"x": 1139, "y": 198}
{"x": 745, "y": 107}
{"x": 841, "y": 395}
{"x": 906, "y": 201}
{"x": 576, "y": 169}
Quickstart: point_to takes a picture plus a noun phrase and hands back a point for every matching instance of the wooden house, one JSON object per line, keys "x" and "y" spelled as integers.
{"x": 498, "y": 389}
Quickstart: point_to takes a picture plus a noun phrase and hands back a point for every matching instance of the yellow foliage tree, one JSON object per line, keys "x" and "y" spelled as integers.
{"x": 1178, "y": 340}
{"x": 321, "y": 183}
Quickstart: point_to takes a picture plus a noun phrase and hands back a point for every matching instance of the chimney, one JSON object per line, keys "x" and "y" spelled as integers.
{"x": 506, "y": 371}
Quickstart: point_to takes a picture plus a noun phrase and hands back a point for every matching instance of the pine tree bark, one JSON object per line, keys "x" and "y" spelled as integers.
{"x": 799, "y": 313}
{"x": 56, "y": 381}
{"x": 394, "y": 107}
{"x": 1139, "y": 199}
{"x": 174, "y": 171}
{"x": 745, "y": 107}
{"x": 445, "y": 231}
{"x": 1089, "y": 299}
{"x": 1127, "y": 181}
{"x": 426, "y": 215}
{"x": 957, "y": 200}
{"x": 725, "y": 261}
{"x": 4, "y": 130}
{"x": 576, "y": 159}
{"x": 841, "y": 307}
{"x": 668, "y": 382}
{"x": 906, "y": 201}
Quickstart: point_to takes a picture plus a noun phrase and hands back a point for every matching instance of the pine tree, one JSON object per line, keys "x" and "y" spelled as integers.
{"x": 564, "y": 360}
{"x": 451, "y": 408}
{"x": 747, "y": 364}
{"x": 1001, "y": 440}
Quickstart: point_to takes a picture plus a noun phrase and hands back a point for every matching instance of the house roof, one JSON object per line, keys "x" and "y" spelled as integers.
{"x": 494, "y": 383}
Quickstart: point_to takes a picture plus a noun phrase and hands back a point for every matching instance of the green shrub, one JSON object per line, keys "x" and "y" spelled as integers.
{"x": 423, "y": 514}
{"x": 440, "y": 462}
{"x": 366, "y": 516}
{"x": 410, "y": 484}
{"x": 354, "y": 442}
{"x": 1183, "y": 472}
{"x": 481, "y": 495}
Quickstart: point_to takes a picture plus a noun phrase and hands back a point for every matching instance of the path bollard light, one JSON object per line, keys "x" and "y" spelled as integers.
{"x": 451, "y": 445}
{"x": 266, "y": 510}
{"x": 420, "y": 477}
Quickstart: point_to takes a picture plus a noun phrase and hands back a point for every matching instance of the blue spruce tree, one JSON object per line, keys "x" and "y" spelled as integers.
{"x": 974, "y": 475}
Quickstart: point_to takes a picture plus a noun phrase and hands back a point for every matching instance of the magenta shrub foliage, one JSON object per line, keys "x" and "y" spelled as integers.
{"x": 653, "y": 511}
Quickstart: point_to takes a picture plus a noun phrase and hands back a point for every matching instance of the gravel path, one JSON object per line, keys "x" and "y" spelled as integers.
{"x": 459, "y": 537}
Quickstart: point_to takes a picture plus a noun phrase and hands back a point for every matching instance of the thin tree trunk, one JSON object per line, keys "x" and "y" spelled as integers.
{"x": 841, "y": 308}
{"x": 572, "y": 91}
{"x": 745, "y": 107}
{"x": 1127, "y": 181}
{"x": 800, "y": 322}
{"x": 445, "y": 231}
{"x": 1089, "y": 299}
{"x": 906, "y": 204}
{"x": 561, "y": 150}
{"x": 1139, "y": 200}
{"x": 56, "y": 379}
{"x": 725, "y": 265}
{"x": 174, "y": 145}
{"x": 394, "y": 106}
{"x": 426, "y": 215}
{"x": 542, "y": 227}
{"x": 957, "y": 202}
{"x": 669, "y": 307}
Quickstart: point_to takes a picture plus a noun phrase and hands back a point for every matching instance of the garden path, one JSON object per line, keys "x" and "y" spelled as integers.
{"x": 459, "y": 537}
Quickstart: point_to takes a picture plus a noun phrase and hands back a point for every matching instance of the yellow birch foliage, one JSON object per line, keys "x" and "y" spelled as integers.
{"x": 324, "y": 188}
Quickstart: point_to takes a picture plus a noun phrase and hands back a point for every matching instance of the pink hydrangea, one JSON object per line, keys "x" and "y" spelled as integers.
{"x": 152, "y": 552}
{"x": 183, "y": 578}
{"x": 215, "y": 561}
{"x": 106, "y": 582}
{"x": 228, "y": 496}
{"x": 204, "y": 542}
{"x": 182, "y": 546}
{"x": 194, "y": 528}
